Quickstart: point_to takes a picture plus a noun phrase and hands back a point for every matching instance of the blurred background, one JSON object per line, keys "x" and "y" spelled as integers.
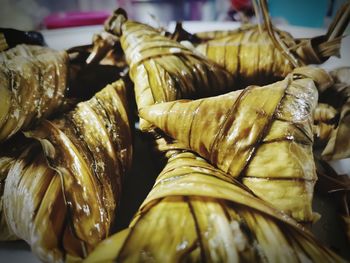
{"x": 49, "y": 14}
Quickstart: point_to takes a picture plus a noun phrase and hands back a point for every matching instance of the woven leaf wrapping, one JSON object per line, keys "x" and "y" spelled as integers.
{"x": 62, "y": 197}
{"x": 32, "y": 86}
{"x": 252, "y": 57}
{"x": 262, "y": 54}
{"x": 262, "y": 135}
{"x": 162, "y": 69}
{"x": 196, "y": 213}
{"x": 338, "y": 145}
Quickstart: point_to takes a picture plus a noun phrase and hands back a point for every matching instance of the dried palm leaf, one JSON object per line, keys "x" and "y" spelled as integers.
{"x": 106, "y": 50}
{"x": 61, "y": 197}
{"x": 325, "y": 120}
{"x": 205, "y": 36}
{"x": 262, "y": 135}
{"x": 249, "y": 55}
{"x": 5, "y": 231}
{"x": 324, "y": 113}
{"x": 262, "y": 54}
{"x": 9, "y": 152}
{"x": 93, "y": 66}
{"x": 338, "y": 96}
{"x": 196, "y": 213}
{"x": 32, "y": 86}
{"x": 162, "y": 69}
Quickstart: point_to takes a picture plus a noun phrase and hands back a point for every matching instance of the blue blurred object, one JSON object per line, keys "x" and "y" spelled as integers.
{"x": 310, "y": 13}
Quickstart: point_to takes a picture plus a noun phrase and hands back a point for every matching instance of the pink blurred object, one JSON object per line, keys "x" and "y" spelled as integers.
{"x": 241, "y": 5}
{"x": 75, "y": 19}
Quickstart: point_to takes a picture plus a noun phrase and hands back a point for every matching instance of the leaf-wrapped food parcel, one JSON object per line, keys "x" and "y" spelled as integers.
{"x": 9, "y": 153}
{"x": 324, "y": 119}
{"x": 5, "y": 231}
{"x": 249, "y": 55}
{"x": 338, "y": 96}
{"x": 32, "y": 86}
{"x": 252, "y": 58}
{"x": 261, "y": 135}
{"x": 261, "y": 54}
{"x": 196, "y": 213}
{"x": 61, "y": 197}
{"x": 163, "y": 69}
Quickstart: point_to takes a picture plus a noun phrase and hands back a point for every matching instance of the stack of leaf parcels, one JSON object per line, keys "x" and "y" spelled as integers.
{"x": 240, "y": 173}
{"x": 197, "y": 210}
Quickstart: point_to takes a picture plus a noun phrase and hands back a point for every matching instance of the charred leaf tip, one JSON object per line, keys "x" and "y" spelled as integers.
{"x": 178, "y": 25}
{"x": 121, "y": 12}
{"x": 114, "y": 22}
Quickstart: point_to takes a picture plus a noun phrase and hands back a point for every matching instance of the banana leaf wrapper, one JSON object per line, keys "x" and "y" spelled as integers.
{"x": 61, "y": 194}
{"x": 162, "y": 69}
{"x": 196, "y": 213}
{"x": 260, "y": 135}
{"x": 338, "y": 96}
{"x": 32, "y": 86}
